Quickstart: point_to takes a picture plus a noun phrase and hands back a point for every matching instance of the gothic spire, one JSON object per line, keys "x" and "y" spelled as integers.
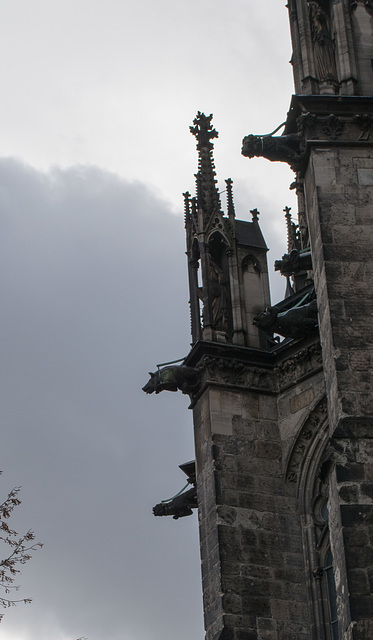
{"x": 292, "y": 231}
{"x": 230, "y": 203}
{"x": 207, "y": 192}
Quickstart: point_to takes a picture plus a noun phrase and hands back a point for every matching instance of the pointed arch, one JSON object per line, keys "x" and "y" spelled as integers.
{"x": 309, "y": 466}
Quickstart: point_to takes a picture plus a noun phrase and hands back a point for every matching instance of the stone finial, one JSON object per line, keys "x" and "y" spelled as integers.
{"x": 186, "y": 196}
{"x": 206, "y": 185}
{"x": 292, "y": 231}
{"x": 230, "y": 203}
{"x": 203, "y": 131}
{"x": 255, "y": 214}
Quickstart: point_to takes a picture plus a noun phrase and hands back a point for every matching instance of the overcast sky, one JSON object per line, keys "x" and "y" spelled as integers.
{"x": 97, "y": 99}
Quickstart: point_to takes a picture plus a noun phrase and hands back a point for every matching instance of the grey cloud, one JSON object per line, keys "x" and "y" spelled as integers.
{"x": 93, "y": 290}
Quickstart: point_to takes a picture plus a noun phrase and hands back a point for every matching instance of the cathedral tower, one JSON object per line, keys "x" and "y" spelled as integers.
{"x": 282, "y": 396}
{"x": 333, "y": 69}
{"x": 228, "y": 255}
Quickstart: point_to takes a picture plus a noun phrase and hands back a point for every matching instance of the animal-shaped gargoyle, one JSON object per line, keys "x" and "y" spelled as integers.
{"x": 294, "y": 262}
{"x": 172, "y": 378}
{"x": 184, "y": 502}
{"x": 178, "y": 507}
{"x": 293, "y": 323}
{"x": 286, "y": 148}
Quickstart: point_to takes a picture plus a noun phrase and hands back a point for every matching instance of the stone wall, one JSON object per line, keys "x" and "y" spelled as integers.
{"x": 352, "y": 532}
{"x": 255, "y": 585}
{"x": 339, "y": 195}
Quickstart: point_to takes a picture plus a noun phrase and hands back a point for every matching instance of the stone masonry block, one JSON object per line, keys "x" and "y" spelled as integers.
{"x": 356, "y": 515}
{"x": 270, "y": 485}
{"x": 225, "y": 480}
{"x": 231, "y": 497}
{"x": 241, "y": 622}
{"x": 354, "y": 271}
{"x": 351, "y": 471}
{"x": 257, "y": 606}
{"x": 267, "y": 407}
{"x": 292, "y": 591}
{"x": 252, "y": 465}
{"x": 231, "y": 403}
{"x": 249, "y": 538}
{"x": 268, "y": 635}
{"x": 289, "y": 574}
{"x": 293, "y": 627}
{"x": 361, "y": 606}
{"x": 335, "y": 271}
{"x": 261, "y": 587}
{"x": 370, "y": 577}
{"x": 360, "y": 557}
{"x": 342, "y": 213}
{"x": 243, "y": 427}
{"x": 365, "y": 402}
{"x": 362, "y": 630}
{"x": 364, "y": 214}
{"x": 368, "y": 271}
{"x": 253, "y": 571}
{"x": 280, "y": 542}
{"x": 358, "y": 582}
{"x": 232, "y": 603}
{"x": 221, "y": 423}
{"x": 293, "y": 559}
{"x": 235, "y": 446}
{"x": 268, "y": 450}
{"x": 365, "y": 177}
{"x": 366, "y": 490}
{"x": 228, "y": 515}
{"x": 324, "y": 169}
{"x": 287, "y": 610}
{"x": 363, "y": 161}
{"x": 349, "y": 493}
{"x": 268, "y": 430}
{"x": 261, "y": 502}
{"x": 250, "y": 406}
{"x": 245, "y": 482}
{"x": 231, "y": 583}
{"x": 349, "y": 404}
{"x": 251, "y": 634}
{"x": 266, "y": 624}
{"x": 285, "y": 523}
{"x": 356, "y": 537}
{"x": 360, "y": 360}
{"x": 346, "y": 252}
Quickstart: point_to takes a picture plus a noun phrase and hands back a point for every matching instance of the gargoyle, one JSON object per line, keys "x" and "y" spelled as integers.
{"x": 286, "y": 148}
{"x": 294, "y": 262}
{"x": 178, "y": 507}
{"x": 173, "y": 378}
{"x": 182, "y": 504}
{"x": 293, "y": 323}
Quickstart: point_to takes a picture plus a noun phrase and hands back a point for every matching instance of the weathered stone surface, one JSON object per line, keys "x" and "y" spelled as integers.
{"x": 284, "y": 436}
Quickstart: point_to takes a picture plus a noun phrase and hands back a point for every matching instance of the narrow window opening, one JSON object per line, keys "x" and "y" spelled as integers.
{"x": 332, "y": 595}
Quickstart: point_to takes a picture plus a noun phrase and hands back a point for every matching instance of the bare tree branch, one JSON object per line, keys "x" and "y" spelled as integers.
{"x": 18, "y": 554}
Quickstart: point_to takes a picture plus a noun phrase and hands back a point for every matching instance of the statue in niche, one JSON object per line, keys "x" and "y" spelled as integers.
{"x": 219, "y": 296}
{"x": 323, "y": 45}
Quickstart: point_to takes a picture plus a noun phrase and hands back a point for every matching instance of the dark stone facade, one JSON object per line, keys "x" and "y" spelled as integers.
{"x": 249, "y": 474}
{"x": 284, "y": 427}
